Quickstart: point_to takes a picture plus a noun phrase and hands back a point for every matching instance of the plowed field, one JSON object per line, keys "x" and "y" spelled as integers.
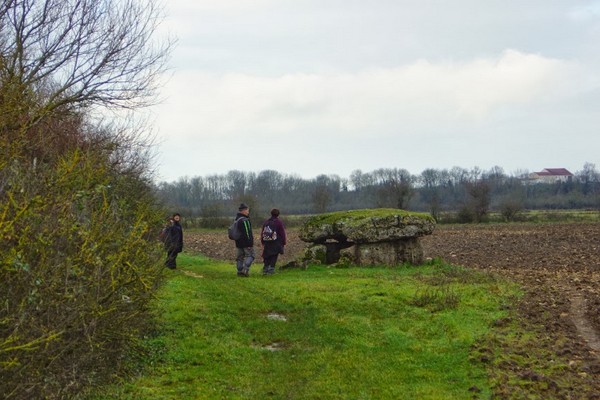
{"x": 558, "y": 267}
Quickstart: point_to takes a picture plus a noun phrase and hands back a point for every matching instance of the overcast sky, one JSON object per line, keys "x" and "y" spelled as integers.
{"x": 311, "y": 87}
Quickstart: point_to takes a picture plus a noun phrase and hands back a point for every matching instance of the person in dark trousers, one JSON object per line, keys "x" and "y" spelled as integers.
{"x": 173, "y": 241}
{"x": 245, "y": 244}
{"x": 273, "y": 239}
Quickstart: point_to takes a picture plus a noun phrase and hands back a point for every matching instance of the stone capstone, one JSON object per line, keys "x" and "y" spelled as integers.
{"x": 367, "y": 237}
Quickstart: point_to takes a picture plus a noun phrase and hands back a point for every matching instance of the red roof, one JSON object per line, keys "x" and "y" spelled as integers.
{"x": 554, "y": 172}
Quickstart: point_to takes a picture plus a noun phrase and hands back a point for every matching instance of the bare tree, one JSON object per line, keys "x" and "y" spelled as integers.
{"x": 589, "y": 177}
{"x": 431, "y": 181}
{"x": 81, "y": 53}
{"x": 237, "y": 183}
{"x": 323, "y": 194}
{"x": 321, "y": 198}
{"x": 479, "y": 198}
{"x": 395, "y": 187}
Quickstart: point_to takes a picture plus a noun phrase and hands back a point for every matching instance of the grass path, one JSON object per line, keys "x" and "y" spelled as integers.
{"x": 320, "y": 333}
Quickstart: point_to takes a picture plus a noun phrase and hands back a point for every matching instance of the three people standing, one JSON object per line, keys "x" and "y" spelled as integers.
{"x": 272, "y": 236}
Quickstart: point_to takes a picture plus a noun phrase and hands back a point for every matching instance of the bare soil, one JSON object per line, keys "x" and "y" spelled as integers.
{"x": 558, "y": 267}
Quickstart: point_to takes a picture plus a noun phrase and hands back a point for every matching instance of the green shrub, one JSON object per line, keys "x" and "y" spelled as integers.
{"x": 79, "y": 264}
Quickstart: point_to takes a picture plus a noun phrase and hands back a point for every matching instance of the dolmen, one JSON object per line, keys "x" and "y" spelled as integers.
{"x": 379, "y": 236}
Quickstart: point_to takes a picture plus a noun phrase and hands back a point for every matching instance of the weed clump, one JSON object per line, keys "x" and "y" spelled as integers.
{"x": 436, "y": 299}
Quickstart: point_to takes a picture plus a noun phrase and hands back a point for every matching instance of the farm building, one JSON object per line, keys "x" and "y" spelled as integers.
{"x": 551, "y": 175}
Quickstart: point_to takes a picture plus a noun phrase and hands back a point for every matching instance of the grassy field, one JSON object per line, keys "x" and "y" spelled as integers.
{"x": 536, "y": 216}
{"x": 319, "y": 333}
{"x": 533, "y": 216}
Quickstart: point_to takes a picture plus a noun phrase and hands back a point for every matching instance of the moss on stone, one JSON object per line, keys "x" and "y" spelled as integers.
{"x": 315, "y": 254}
{"x": 355, "y": 217}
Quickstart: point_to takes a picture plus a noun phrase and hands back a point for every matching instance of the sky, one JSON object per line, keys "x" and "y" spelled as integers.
{"x": 311, "y": 87}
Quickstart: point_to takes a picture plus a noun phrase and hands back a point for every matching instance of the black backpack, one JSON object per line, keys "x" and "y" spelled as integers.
{"x": 233, "y": 232}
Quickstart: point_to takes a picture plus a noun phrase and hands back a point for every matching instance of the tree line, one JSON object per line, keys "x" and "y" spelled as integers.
{"x": 468, "y": 194}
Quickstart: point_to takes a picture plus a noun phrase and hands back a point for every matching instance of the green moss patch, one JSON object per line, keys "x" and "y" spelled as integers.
{"x": 358, "y": 216}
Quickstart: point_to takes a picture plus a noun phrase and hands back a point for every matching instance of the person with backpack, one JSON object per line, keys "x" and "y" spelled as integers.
{"x": 241, "y": 232}
{"x": 173, "y": 239}
{"x": 273, "y": 240}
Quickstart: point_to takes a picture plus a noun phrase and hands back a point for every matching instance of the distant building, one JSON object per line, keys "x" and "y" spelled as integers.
{"x": 551, "y": 175}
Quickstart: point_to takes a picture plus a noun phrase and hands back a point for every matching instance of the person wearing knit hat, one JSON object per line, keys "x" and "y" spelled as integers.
{"x": 245, "y": 244}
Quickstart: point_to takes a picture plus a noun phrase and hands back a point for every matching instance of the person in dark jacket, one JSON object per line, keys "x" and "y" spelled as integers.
{"x": 173, "y": 241}
{"x": 245, "y": 244}
{"x": 273, "y": 240}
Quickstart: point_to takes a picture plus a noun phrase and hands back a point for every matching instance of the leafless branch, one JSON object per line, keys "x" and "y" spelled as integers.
{"x": 83, "y": 52}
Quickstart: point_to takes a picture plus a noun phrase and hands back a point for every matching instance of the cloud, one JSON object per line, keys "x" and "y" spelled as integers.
{"x": 422, "y": 95}
{"x": 342, "y": 85}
